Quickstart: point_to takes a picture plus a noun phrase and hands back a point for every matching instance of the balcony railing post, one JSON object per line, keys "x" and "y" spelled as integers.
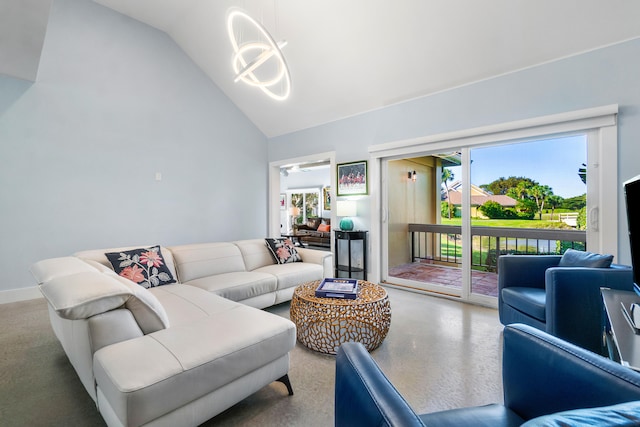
{"x": 413, "y": 246}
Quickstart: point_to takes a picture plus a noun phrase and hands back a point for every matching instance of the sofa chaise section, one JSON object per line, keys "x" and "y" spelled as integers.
{"x": 195, "y": 369}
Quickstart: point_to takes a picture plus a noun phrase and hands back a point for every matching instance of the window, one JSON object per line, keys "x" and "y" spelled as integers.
{"x": 303, "y": 204}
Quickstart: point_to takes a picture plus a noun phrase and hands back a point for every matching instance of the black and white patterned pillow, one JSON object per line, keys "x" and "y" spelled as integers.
{"x": 283, "y": 250}
{"x": 144, "y": 266}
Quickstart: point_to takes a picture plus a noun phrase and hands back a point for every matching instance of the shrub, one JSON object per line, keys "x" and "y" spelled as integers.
{"x": 581, "y": 221}
{"x": 492, "y": 209}
{"x": 444, "y": 210}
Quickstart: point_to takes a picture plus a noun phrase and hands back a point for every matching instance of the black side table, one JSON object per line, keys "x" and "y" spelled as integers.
{"x": 349, "y": 236}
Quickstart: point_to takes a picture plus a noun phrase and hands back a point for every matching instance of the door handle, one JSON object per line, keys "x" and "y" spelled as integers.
{"x": 593, "y": 219}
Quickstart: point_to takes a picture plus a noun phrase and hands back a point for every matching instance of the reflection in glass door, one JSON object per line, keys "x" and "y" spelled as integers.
{"x": 526, "y": 198}
{"x": 424, "y": 243}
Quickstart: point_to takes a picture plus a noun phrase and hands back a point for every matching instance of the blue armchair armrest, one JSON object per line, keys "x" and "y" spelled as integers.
{"x": 574, "y": 304}
{"x": 542, "y": 375}
{"x": 363, "y": 394}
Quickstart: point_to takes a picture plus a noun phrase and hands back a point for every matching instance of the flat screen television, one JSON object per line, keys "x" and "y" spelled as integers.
{"x": 632, "y": 200}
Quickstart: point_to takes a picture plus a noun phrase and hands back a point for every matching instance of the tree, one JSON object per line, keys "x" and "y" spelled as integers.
{"x": 582, "y": 173}
{"x": 503, "y": 185}
{"x": 447, "y": 176}
{"x": 527, "y": 207}
{"x": 574, "y": 203}
{"x": 521, "y": 190}
{"x": 554, "y": 202}
{"x": 540, "y": 193}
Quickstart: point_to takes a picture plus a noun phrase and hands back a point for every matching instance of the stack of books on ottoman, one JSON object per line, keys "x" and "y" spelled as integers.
{"x": 338, "y": 288}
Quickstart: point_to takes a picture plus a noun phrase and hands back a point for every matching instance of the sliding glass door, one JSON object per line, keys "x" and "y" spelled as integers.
{"x": 450, "y": 216}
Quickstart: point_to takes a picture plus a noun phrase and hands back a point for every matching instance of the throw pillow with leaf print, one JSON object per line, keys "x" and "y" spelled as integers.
{"x": 144, "y": 266}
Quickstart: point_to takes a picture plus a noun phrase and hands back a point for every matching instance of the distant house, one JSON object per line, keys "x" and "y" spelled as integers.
{"x": 478, "y": 198}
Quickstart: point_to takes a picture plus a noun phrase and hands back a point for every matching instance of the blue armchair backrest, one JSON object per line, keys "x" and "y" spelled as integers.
{"x": 542, "y": 375}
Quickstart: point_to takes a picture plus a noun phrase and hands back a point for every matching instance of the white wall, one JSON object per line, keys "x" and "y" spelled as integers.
{"x": 602, "y": 77}
{"x": 115, "y": 102}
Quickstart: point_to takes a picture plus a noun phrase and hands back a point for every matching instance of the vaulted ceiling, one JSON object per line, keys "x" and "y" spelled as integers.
{"x": 23, "y": 25}
{"x": 348, "y": 57}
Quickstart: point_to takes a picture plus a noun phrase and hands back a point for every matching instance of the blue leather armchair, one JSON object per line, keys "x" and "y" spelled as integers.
{"x": 563, "y": 301}
{"x": 541, "y": 375}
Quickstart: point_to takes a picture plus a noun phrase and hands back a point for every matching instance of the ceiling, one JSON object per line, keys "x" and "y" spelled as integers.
{"x": 348, "y": 57}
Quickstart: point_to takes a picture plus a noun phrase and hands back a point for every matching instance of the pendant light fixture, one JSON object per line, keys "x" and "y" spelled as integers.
{"x": 258, "y": 60}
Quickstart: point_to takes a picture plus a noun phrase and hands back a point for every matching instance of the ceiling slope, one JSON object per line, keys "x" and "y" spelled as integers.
{"x": 348, "y": 57}
{"x": 23, "y": 26}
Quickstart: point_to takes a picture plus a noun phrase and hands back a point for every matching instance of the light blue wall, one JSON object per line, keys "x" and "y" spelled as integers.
{"x": 115, "y": 102}
{"x": 606, "y": 76}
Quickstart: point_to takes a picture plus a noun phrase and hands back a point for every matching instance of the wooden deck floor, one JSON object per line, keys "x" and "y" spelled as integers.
{"x": 482, "y": 283}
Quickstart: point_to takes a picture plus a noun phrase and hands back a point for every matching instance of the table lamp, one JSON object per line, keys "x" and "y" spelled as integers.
{"x": 294, "y": 211}
{"x": 346, "y": 209}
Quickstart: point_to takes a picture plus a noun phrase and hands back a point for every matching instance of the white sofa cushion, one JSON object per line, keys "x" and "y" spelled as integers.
{"x": 255, "y": 253}
{"x": 48, "y": 269}
{"x": 206, "y": 259}
{"x": 82, "y": 295}
{"x": 293, "y": 274}
{"x": 187, "y": 304}
{"x": 237, "y": 286}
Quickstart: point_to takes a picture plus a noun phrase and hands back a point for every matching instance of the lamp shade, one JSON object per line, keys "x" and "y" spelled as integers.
{"x": 346, "y": 208}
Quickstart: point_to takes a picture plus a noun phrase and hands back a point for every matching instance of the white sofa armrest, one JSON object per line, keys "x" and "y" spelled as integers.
{"x": 323, "y": 258}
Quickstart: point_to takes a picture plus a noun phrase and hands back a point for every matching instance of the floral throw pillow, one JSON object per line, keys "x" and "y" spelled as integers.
{"x": 144, "y": 266}
{"x": 283, "y": 250}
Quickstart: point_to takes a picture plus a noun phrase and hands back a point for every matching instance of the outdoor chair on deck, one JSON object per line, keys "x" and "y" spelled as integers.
{"x": 560, "y": 294}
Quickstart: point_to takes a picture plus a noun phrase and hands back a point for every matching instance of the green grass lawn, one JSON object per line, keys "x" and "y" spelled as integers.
{"x": 452, "y": 247}
{"x": 511, "y": 223}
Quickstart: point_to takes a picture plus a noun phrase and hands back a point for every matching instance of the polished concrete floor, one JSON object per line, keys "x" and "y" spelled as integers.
{"x": 439, "y": 353}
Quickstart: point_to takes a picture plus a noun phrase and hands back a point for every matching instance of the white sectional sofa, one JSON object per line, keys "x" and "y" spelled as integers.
{"x": 180, "y": 353}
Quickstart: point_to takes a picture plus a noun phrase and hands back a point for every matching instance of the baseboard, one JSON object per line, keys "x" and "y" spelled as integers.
{"x": 23, "y": 294}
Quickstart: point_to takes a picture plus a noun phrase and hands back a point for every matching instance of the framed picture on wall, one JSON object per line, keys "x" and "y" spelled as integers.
{"x": 283, "y": 202}
{"x": 326, "y": 198}
{"x": 352, "y": 179}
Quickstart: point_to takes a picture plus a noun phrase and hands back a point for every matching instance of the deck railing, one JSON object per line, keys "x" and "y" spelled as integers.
{"x": 443, "y": 243}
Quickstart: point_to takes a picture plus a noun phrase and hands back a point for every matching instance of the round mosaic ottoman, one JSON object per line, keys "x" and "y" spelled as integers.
{"x": 324, "y": 323}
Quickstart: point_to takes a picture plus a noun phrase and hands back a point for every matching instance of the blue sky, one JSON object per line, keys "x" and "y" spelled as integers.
{"x": 552, "y": 162}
